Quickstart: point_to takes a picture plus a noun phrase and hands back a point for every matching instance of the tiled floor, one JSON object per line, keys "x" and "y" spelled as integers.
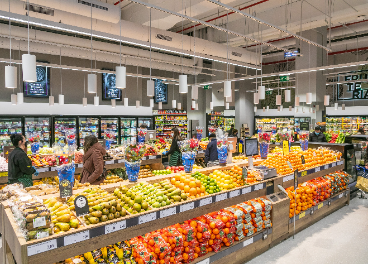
{"x": 339, "y": 238}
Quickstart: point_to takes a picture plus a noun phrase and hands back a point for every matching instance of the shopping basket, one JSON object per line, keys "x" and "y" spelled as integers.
{"x": 362, "y": 181}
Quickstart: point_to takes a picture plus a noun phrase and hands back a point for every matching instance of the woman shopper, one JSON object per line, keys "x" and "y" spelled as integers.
{"x": 20, "y": 167}
{"x": 93, "y": 163}
{"x": 211, "y": 151}
{"x": 174, "y": 149}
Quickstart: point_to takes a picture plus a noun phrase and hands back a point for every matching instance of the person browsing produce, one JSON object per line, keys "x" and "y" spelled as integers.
{"x": 20, "y": 167}
{"x": 174, "y": 148}
{"x": 211, "y": 151}
{"x": 93, "y": 163}
{"x": 317, "y": 135}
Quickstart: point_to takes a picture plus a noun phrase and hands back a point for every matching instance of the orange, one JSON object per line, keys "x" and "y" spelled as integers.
{"x": 192, "y": 184}
{"x": 192, "y": 192}
{"x": 186, "y": 189}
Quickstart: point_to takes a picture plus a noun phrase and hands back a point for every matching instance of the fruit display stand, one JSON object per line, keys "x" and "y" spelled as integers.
{"x": 61, "y": 246}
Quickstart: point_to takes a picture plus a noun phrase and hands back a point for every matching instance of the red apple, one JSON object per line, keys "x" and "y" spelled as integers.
{"x": 169, "y": 168}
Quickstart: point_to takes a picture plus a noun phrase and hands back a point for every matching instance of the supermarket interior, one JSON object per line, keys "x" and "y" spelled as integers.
{"x": 173, "y": 132}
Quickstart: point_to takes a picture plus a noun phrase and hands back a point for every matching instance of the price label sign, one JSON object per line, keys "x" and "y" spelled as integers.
{"x": 333, "y": 164}
{"x": 205, "y": 261}
{"x": 248, "y": 242}
{"x": 341, "y": 195}
{"x": 320, "y": 206}
{"x": 147, "y": 218}
{"x": 168, "y": 212}
{"x": 301, "y": 215}
{"x": 258, "y": 187}
{"x": 205, "y": 201}
{"x": 41, "y": 247}
{"x": 42, "y": 169}
{"x": 186, "y": 207}
{"x": 121, "y": 161}
{"x": 152, "y": 157}
{"x": 76, "y": 238}
{"x": 303, "y": 159}
{"x": 115, "y": 227}
{"x": 221, "y": 197}
{"x": 317, "y": 169}
{"x": 55, "y": 168}
{"x": 81, "y": 205}
{"x": 246, "y": 190}
{"x": 285, "y": 147}
{"x": 65, "y": 188}
{"x": 80, "y": 165}
{"x": 326, "y": 167}
{"x": 244, "y": 173}
{"x": 109, "y": 162}
{"x": 304, "y": 173}
{"x": 295, "y": 179}
{"x": 234, "y": 193}
{"x": 288, "y": 178}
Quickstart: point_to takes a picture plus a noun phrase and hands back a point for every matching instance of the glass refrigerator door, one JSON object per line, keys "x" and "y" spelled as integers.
{"x": 110, "y": 127}
{"x": 146, "y": 120}
{"x": 9, "y": 126}
{"x": 38, "y": 126}
{"x": 64, "y": 126}
{"x": 87, "y": 126}
{"x": 128, "y": 129}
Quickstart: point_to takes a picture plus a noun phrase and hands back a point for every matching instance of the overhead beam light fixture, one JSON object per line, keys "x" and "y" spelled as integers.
{"x": 266, "y": 24}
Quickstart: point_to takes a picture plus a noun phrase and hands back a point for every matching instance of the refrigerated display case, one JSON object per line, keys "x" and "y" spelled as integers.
{"x": 88, "y": 126}
{"x": 146, "y": 120}
{"x": 349, "y": 124}
{"x": 167, "y": 120}
{"x": 128, "y": 129}
{"x": 228, "y": 121}
{"x": 8, "y": 126}
{"x": 62, "y": 126}
{"x": 275, "y": 124}
{"x": 298, "y": 120}
{"x": 40, "y": 126}
{"x": 110, "y": 125}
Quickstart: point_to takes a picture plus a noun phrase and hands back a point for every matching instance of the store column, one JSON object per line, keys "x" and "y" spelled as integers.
{"x": 244, "y": 107}
{"x": 312, "y": 82}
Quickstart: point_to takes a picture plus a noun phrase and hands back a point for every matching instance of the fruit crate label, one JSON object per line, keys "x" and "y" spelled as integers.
{"x": 53, "y": 168}
{"x": 147, "y": 218}
{"x": 340, "y": 162}
{"x": 186, "y": 207}
{"x": 205, "y": 261}
{"x": 248, "y": 242}
{"x": 152, "y": 157}
{"x": 205, "y": 201}
{"x": 288, "y": 178}
{"x": 41, "y": 247}
{"x": 121, "y": 161}
{"x": 42, "y": 169}
{"x": 320, "y": 205}
{"x": 301, "y": 215}
{"x": 341, "y": 195}
{"x": 144, "y": 158}
{"x": 258, "y": 187}
{"x": 75, "y": 238}
{"x": 246, "y": 190}
{"x": 333, "y": 164}
{"x": 317, "y": 169}
{"x": 221, "y": 197}
{"x": 109, "y": 162}
{"x": 39, "y": 221}
{"x": 304, "y": 173}
{"x": 168, "y": 212}
{"x": 234, "y": 193}
{"x": 326, "y": 166}
{"x": 115, "y": 227}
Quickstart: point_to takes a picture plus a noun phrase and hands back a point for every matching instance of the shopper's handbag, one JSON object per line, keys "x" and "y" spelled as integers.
{"x": 362, "y": 184}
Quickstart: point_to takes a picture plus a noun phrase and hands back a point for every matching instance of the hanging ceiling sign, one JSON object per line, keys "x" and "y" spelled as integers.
{"x": 284, "y": 78}
{"x": 356, "y": 90}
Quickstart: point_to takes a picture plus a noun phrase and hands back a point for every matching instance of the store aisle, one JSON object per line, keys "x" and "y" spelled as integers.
{"x": 339, "y": 238}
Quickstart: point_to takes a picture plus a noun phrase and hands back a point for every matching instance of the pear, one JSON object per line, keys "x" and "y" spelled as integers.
{"x": 105, "y": 211}
{"x": 113, "y": 209}
{"x": 117, "y": 214}
{"x": 111, "y": 216}
{"x": 64, "y": 219}
{"x": 98, "y": 207}
{"x": 63, "y": 226}
{"x": 97, "y": 214}
{"x": 63, "y": 212}
{"x": 123, "y": 212}
{"x": 74, "y": 223}
{"x": 93, "y": 220}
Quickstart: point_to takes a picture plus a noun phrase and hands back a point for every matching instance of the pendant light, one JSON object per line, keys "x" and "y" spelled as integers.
{"x": 113, "y": 103}
{"x": 29, "y": 61}
{"x": 311, "y": 110}
{"x": 287, "y": 95}
{"x": 195, "y": 92}
{"x": 96, "y": 101}
{"x": 196, "y": 107}
{"x": 126, "y": 102}
{"x": 183, "y": 85}
{"x": 264, "y": 109}
{"x": 261, "y": 92}
{"x": 326, "y": 100}
{"x": 61, "y": 96}
{"x": 290, "y": 108}
{"x": 152, "y": 102}
{"x": 20, "y": 98}
{"x": 120, "y": 71}
{"x": 255, "y": 109}
{"x": 173, "y": 104}
{"x": 227, "y": 83}
{"x": 179, "y": 106}
{"x": 183, "y": 79}
{"x": 317, "y": 107}
{"x": 92, "y": 78}
{"x": 150, "y": 82}
{"x": 343, "y": 107}
{"x": 278, "y": 109}
{"x": 137, "y": 104}
{"x": 278, "y": 99}
{"x": 227, "y": 89}
{"x": 296, "y": 109}
{"x": 13, "y": 99}
{"x": 227, "y": 105}
{"x": 297, "y": 100}
{"x": 211, "y": 106}
{"x": 336, "y": 106}
{"x": 268, "y": 108}
{"x": 20, "y": 95}
{"x": 308, "y": 98}
{"x": 160, "y": 105}
{"x": 51, "y": 100}
{"x": 84, "y": 100}
{"x": 193, "y": 104}
{"x": 256, "y": 98}
{"x": 281, "y": 107}
{"x": 10, "y": 71}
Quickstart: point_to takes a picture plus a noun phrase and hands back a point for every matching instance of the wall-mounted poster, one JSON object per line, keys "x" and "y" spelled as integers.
{"x": 160, "y": 91}
{"x": 109, "y": 90}
{"x": 41, "y": 88}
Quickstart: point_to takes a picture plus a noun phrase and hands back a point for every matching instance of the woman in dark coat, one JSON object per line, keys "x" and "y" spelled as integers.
{"x": 174, "y": 149}
{"x": 211, "y": 151}
{"x": 93, "y": 163}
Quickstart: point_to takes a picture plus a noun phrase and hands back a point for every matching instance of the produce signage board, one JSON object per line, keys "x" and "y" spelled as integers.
{"x": 41, "y": 88}
{"x": 304, "y": 126}
{"x": 160, "y": 92}
{"x": 109, "y": 90}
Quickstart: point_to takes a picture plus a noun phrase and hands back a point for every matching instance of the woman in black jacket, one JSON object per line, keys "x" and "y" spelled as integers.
{"x": 174, "y": 149}
{"x": 211, "y": 151}
{"x": 20, "y": 167}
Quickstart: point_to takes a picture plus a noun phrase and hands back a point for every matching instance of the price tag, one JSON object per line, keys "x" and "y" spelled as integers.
{"x": 186, "y": 207}
{"x": 301, "y": 215}
{"x": 80, "y": 165}
{"x": 248, "y": 242}
{"x": 168, "y": 212}
{"x": 303, "y": 159}
{"x": 326, "y": 167}
{"x": 246, "y": 190}
{"x": 144, "y": 158}
{"x": 66, "y": 189}
{"x": 304, "y": 173}
{"x": 285, "y": 147}
{"x": 201, "y": 152}
{"x": 53, "y": 168}
{"x": 288, "y": 178}
{"x": 205, "y": 261}
{"x": 152, "y": 157}
{"x": 234, "y": 193}
{"x": 320, "y": 206}
{"x": 43, "y": 169}
{"x": 25, "y": 198}
{"x": 221, "y": 197}
{"x": 341, "y": 195}
{"x": 121, "y": 161}
{"x": 258, "y": 187}
{"x": 109, "y": 162}
{"x": 115, "y": 227}
{"x": 39, "y": 221}
{"x": 317, "y": 169}
{"x": 75, "y": 238}
{"x": 333, "y": 164}
{"x": 41, "y": 247}
{"x": 205, "y": 201}
{"x": 146, "y": 218}
{"x": 40, "y": 235}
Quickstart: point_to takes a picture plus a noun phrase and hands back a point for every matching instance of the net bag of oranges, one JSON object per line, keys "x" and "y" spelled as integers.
{"x": 158, "y": 247}
{"x": 140, "y": 252}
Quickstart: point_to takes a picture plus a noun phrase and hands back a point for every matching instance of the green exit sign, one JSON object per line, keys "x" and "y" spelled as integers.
{"x": 268, "y": 92}
{"x": 284, "y": 78}
{"x": 206, "y": 87}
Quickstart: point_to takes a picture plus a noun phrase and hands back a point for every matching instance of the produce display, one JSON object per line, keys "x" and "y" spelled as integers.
{"x": 192, "y": 189}
{"x": 337, "y": 138}
{"x": 209, "y": 183}
{"x": 225, "y": 181}
{"x": 165, "y": 123}
{"x": 161, "y": 172}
